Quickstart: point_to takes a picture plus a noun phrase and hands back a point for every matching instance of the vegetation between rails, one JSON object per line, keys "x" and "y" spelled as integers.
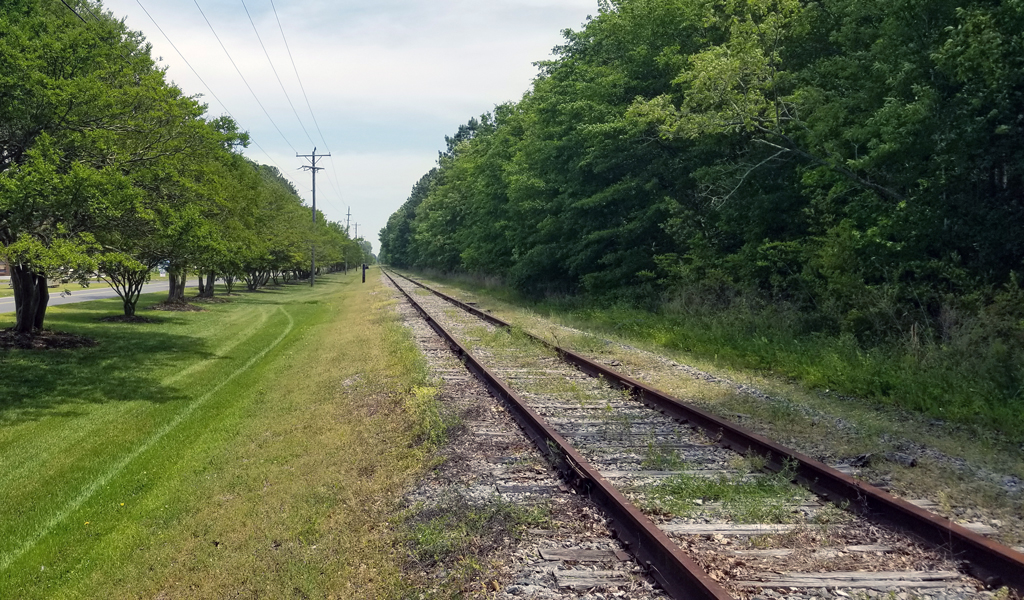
{"x": 951, "y": 384}
{"x": 255, "y": 448}
{"x": 975, "y": 482}
{"x": 748, "y": 496}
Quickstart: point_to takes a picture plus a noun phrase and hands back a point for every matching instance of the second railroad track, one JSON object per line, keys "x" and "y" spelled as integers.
{"x": 707, "y": 507}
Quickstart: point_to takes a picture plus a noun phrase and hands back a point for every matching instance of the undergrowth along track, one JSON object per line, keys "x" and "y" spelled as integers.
{"x": 598, "y": 435}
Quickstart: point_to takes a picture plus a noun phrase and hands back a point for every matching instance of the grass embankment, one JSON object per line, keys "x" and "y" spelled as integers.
{"x": 254, "y": 449}
{"x": 967, "y": 382}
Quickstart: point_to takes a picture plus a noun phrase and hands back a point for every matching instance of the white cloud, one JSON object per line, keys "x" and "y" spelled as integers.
{"x": 386, "y": 79}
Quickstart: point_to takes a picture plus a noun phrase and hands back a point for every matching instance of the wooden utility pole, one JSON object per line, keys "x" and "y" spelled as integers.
{"x": 312, "y": 167}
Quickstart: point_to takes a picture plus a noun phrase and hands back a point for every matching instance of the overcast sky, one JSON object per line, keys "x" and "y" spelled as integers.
{"x": 386, "y": 80}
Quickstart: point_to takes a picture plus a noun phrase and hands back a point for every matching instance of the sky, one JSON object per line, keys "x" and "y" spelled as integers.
{"x": 385, "y": 80}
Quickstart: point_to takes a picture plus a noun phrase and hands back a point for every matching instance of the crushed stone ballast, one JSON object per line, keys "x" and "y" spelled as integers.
{"x": 598, "y": 426}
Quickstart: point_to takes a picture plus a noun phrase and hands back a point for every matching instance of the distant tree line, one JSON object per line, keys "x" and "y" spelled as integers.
{"x": 107, "y": 168}
{"x": 861, "y": 161}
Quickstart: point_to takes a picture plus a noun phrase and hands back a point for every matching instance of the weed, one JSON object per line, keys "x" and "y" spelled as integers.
{"x": 457, "y": 533}
{"x": 615, "y": 423}
{"x": 830, "y": 514}
{"x": 578, "y": 393}
{"x": 431, "y": 425}
{"x": 660, "y": 457}
{"x": 763, "y": 499}
{"x": 755, "y": 462}
{"x": 588, "y": 344}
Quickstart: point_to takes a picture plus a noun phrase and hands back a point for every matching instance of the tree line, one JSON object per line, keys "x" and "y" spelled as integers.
{"x": 108, "y": 168}
{"x": 857, "y": 163}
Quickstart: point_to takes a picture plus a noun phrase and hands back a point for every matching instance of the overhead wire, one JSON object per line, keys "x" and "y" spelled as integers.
{"x": 67, "y": 6}
{"x": 284, "y": 90}
{"x": 88, "y": 7}
{"x": 336, "y": 185}
{"x": 299, "y": 79}
{"x": 278, "y": 77}
{"x": 208, "y": 88}
{"x": 96, "y": 20}
{"x": 239, "y": 71}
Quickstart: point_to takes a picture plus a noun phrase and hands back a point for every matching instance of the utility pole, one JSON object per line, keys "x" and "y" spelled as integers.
{"x": 357, "y": 232}
{"x": 312, "y": 167}
{"x": 348, "y": 217}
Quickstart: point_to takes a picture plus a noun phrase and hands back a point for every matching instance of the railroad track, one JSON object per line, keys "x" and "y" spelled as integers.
{"x": 710, "y": 509}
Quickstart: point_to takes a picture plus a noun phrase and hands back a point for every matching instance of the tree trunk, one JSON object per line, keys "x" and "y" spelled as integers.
{"x": 30, "y": 299}
{"x": 172, "y": 290}
{"x": 211, "y": 277}
{"x": 176, "y": 291}
{"x": 202, "y": 287}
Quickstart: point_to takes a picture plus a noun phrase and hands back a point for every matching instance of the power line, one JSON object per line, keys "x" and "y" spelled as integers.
{"x": 239, "y": 71}
{"x": 313, "y": 168}
{"x": 306, "y": 98}
{"x": 95, "y": 20}
{"x": 194, "y": 72}
{"x": 299, "y": 79}
{"x": 95, "y": 17}
{"x": 201, "y": 80}
{"x": 272, "y": 68}
{"x": 72, "y": 10}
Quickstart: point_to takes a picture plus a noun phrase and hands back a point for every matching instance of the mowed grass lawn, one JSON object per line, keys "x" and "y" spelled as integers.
{"x": 253, "y": 450}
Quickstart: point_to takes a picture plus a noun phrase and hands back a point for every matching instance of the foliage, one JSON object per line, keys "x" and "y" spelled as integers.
{"x": 742, "y": 497}
{"x": 851, "y": 165}
{"x": 102, "y": 159}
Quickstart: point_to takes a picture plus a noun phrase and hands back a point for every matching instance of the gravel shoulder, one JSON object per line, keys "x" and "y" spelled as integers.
{"x": 538, "y": 538}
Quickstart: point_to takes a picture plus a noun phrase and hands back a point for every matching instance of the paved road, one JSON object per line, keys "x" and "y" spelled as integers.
{"x": 96, "y": 291}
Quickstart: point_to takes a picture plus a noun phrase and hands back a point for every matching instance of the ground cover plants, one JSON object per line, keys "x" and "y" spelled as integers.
{"x": 938, "y": 381}
{"x": 255, "y": 448}
{"x": 739, "y": 497}
{"x": 973, "y": 472}
{"x": 456, "y": 532}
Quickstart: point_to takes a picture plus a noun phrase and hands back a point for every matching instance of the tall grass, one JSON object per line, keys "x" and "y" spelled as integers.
{"x": 951, "y": 381}
{"x": 972, "y": 373}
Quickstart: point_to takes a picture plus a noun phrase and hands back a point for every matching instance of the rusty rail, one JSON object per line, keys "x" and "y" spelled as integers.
{"x": 988, "y": 560}
{"x": 665, "y": 561}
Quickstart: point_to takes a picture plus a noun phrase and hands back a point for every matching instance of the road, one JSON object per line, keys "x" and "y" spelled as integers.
{"x": 100, "y": 291}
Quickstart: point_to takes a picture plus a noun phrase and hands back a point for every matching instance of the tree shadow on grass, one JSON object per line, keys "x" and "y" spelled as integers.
{"x": 97, "y": 309}
{"x": 126, "y": 365}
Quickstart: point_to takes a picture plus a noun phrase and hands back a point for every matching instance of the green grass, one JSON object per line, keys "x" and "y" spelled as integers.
{"x": 762, "y": 499}
{"x": 255, "y": 449}
{"x": 976, "y": 384}
{"x": 456, "y": 527}
{"x": 935, "y": 381}
{"x": 456, "y": 536}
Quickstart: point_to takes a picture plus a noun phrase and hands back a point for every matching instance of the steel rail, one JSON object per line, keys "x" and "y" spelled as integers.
{"x": 988, "y": 560}
{"x": 678, "y": 574}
